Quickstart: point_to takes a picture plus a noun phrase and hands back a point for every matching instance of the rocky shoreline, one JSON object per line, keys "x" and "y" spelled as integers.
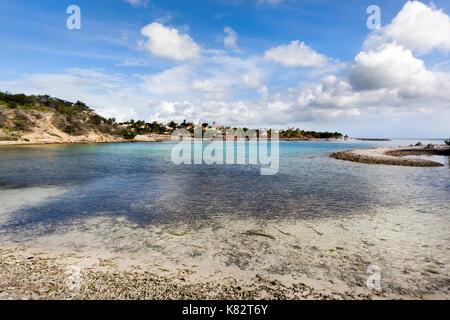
{"x": 293, "y": 260}
{"x": 395, "y": 155}
{"x": 40, "y": 276}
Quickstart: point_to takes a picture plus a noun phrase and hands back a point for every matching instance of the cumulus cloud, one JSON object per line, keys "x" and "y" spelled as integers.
{"x": 389, "y": 62}
{"x": 167, "y": 42}
{"x": 296, "y": 54}
{"x": 393, "y": 67}
{"x": 417, "y": 27}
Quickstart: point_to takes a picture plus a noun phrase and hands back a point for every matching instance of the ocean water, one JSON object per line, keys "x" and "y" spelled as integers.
{"x": 45, "y": 188}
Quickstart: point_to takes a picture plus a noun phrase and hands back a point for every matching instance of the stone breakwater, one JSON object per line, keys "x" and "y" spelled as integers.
{"x": 395, "y": 155}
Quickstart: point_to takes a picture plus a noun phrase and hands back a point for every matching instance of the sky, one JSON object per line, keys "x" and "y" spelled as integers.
{"x": 309, "y": 64}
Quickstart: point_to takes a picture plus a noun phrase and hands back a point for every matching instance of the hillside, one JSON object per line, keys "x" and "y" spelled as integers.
{"x": 44, "y": 119}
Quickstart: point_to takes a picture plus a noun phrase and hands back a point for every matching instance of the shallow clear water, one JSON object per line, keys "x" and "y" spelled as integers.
{"x": 55, "y": 185}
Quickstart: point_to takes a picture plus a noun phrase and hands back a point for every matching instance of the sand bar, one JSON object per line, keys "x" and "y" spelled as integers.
{"x": 395, "y": 155}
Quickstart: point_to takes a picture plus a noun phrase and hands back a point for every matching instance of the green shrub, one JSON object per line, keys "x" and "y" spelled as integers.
{"x": 72, "y": 128}
{"x": 11, "y": 105}
{"x": 447, "y": 142}
{"x": 68, "y": 111}
{"x": 96, "y": 120}
{"x": 20, "y": 125}
{"x": 54, "y": 135}
{"x": 127, "y": 134}
{"x": 81, "y": 106}
{"x": 2, "y": 120}
{"x": 10, "y": 137}
{"x": 36, "y": 108}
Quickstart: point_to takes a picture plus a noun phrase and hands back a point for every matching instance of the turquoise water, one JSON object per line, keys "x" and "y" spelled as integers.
{"x": 55, "y": 185}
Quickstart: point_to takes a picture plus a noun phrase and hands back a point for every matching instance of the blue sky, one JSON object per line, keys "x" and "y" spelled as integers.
{"x": 256, "y": 63}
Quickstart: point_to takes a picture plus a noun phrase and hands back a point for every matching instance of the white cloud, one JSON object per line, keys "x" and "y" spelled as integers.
{"x": 174, "y": 81}
{"x": 213, "y": 89}
{"x": 131, "y": 63}
{"x": 167, "y": 42}
{"x": 318, "y": 103}
{"x": 230, "y": 41}
{"x": 388, "y": 61}
{"x": 296, "y": 54}
{"x": 417, "y": 27}
{"x": 252, "y": 79}
{"x": 393, "y": 67}
{"x": 164, "y": 19}
{"x": 264, "y": 92}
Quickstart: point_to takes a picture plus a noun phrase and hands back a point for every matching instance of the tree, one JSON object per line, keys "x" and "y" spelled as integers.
{"x": 447, "y": 142}
{"x": 139, "y": 123}
{"x": 172, "y": 124}
{"x": 79, "y": 104}
{"x": 96, "y": 119}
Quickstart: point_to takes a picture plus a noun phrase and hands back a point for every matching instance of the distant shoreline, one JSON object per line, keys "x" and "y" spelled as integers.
{"x": 372, "y": 139}
{"x": 139, "y": 138}
{"x": 146, "y": 138}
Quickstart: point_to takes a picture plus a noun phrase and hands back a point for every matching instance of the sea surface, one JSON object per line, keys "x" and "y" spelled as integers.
{"x": 47, "y": 187}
